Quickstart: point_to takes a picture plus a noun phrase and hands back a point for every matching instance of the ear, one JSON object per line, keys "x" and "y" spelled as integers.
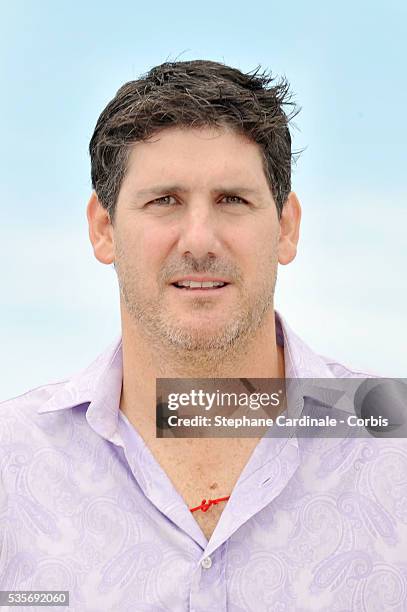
{"x": 289, "y": 229}
{"x": 100, "y": 230}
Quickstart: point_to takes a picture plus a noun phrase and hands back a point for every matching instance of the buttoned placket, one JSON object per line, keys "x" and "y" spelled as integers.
{"x": 208, "y": 589}
{"x": 208, "y": 585}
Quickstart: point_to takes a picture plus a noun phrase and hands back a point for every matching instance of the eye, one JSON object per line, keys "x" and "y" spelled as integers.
{"x": 162, "y": 201}
{"x": 236, "y": 199}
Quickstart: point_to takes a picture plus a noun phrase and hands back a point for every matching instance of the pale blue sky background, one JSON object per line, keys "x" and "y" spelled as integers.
{"x": 346, "y": 293}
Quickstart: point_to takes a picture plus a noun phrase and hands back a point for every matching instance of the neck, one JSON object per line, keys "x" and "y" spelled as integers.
{"x": 144, "y": 360}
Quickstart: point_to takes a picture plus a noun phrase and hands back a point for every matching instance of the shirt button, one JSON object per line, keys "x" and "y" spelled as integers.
{"x": 206, "y": 563}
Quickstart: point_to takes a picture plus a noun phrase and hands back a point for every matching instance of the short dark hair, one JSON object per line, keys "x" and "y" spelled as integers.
{"x": 194, "y": 93}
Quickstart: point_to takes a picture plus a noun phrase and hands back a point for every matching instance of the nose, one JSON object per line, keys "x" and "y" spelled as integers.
{"x": 199, "y": 230}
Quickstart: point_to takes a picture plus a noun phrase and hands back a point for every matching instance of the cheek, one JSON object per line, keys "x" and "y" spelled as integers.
{"x": 155, "y": 237}
{"x": 138, "y": 242}
{"x": 154, "y": 248}
{"x": 264, "y": 262}
{"x": 145, "y": 252}
{"x": 254, "y": 249}
{"x": 267, "y": 241}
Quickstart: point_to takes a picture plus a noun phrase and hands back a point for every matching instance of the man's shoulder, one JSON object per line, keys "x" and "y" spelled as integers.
{"x": 31, "y": 400}
{"x": 72, "y": 390}
{"x": 303, "y": 361}
{"x": 340, "y": 370}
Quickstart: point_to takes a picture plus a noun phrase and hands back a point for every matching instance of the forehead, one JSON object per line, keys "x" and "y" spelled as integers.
{"x": 191, "y": 153}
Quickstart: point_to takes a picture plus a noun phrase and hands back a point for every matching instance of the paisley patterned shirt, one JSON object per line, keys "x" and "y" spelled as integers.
{"x": 313, "y": 524}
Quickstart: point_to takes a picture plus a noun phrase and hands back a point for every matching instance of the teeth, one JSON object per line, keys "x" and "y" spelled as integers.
{"x": 198, "y": 284}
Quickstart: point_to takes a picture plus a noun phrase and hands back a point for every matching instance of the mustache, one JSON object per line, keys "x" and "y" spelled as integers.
{"x": 203, "y": 266}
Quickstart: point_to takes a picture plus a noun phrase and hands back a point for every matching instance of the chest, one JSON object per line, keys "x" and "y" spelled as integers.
{"x": 195, "y": 484}
{"x": 194, "y": 492}
{"x": 198, "y": 472}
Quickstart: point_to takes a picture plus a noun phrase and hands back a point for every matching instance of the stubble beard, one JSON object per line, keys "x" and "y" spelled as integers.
{"x": 205, "y": 347}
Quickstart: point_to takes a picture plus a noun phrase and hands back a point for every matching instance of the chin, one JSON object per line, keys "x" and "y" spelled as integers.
{"x": 210, "y": 336}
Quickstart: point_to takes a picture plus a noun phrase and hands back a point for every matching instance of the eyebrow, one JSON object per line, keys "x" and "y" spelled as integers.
{"x": 160, "y": 189}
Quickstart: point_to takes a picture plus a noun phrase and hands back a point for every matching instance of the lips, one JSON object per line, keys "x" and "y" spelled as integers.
{"x": 201, "y": 278}
{"x": 199, "y": 289}
{"x": 193, "y": 285}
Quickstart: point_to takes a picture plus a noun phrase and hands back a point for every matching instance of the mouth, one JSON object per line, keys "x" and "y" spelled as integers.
{"x": 198, "y": 288}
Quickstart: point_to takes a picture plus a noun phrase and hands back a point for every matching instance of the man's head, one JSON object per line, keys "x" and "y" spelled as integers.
{"x": 191, "y": 171}
{"x": 193, "y": 94}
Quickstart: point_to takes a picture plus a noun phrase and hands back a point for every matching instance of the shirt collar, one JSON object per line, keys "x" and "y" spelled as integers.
{"x": 99, "y": 385}
{"x": 308, "y": 368}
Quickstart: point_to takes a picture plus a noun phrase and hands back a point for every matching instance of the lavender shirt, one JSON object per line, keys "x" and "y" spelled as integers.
{"x": 312, "y": 524}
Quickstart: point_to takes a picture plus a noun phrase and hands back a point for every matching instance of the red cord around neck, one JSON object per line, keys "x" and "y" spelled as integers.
{"x": 205, "y": 505}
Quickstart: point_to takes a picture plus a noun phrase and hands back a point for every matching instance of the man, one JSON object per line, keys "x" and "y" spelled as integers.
{"x": 191, "y": 176}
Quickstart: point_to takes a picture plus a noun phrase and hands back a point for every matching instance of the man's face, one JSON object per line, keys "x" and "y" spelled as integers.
{"x": 196, "y": 203}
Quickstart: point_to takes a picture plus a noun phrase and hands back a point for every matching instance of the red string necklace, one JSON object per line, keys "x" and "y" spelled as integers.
{"x": 205, "y": 505}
